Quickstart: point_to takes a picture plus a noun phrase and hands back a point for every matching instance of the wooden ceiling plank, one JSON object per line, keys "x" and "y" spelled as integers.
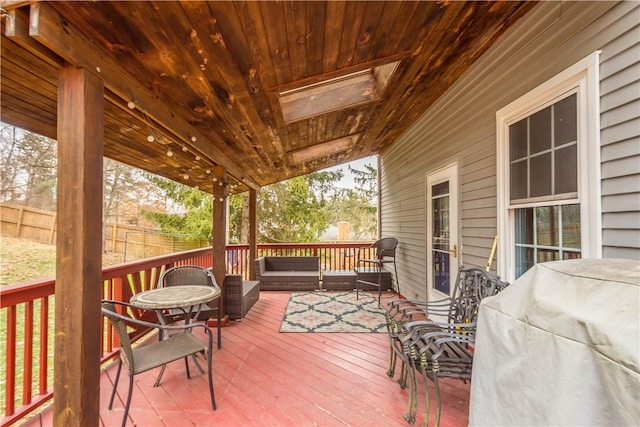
{"x": 312, "y": 131}
{"x": 334, "y": 24}
{"x": 368, "y": 30}
{"x": 256, "y": 35}
{"x": 188, "y": 87}
{"x": 354, "y": 14}
{"x": 316, "y": 18}
{"x": 418, "y": 27}
{"x": 273, "y": 18}
{"x": 209, "y": 100}
{"x": 29, "y": 81}
{"x": 295, "y": 17}
{"x": 393, "y": 22}
{"x": 22, "y": 118}
{"x": 266, "y": 103}
{"x": 49, "y": 28}
{"x": 321, "y": 134}
{"x": 253, "y": 129}
{"x": 39, "y": 107}
{"x": 236, "y": 66}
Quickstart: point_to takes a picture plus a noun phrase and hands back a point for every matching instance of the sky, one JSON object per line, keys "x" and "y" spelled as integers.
{"x": 347, "y": 179}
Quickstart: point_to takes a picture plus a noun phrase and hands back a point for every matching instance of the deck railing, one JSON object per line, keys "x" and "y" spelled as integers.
{"x": 27, "y": 313}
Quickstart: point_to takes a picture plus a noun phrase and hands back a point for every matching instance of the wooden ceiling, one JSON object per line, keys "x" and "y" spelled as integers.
{"x": 208, "y": 77}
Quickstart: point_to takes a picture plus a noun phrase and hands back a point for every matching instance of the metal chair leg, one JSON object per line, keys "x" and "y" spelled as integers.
{"x": 210, "y": 372}
{"x": 157, "y": 383}
{"x": 126, "y": 407}
{"x": 427, "y": 398}
{"x": 438, "y": 399}
{"x": 115, "y": 384}
{"x": 219, "y": 325}
{"x": 412, "y": 404}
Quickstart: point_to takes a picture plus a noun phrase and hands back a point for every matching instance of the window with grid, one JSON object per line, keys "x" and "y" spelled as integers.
{"x": 543, "y": 162}
{"x": 547, "y": 152}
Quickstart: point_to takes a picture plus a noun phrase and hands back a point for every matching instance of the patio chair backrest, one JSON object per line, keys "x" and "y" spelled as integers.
{"x": 386, "y": 247}
{"x": 472, "y": 285}
{"x": 119, "y": 325}
{"x": 187, "y": 275}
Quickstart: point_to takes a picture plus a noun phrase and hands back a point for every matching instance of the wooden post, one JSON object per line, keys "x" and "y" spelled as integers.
{"x": 19, "y": 224}
{"x": 253, "y": 232}
{"x": 52, "y": 232}
{"x": 115, "y": 234}
{"x": 78, "y": 258}
{"x": 220, "y": 229}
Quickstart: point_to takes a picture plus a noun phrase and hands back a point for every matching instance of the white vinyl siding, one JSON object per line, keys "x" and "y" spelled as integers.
{"x": 620, "y": 138}
{"x": 460, "y": 127}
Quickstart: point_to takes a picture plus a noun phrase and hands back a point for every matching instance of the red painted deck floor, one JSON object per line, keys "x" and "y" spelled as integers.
{"x": 266, "y": 378}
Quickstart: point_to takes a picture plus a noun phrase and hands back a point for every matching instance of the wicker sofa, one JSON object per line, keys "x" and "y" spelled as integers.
{"x": 240, "y": 295}
{"x": 285, "y": 273}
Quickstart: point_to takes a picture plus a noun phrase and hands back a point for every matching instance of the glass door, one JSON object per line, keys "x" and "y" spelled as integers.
{"x": 442, "y": 231}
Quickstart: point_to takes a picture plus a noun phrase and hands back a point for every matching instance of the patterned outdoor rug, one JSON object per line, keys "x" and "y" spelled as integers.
{"x": 333, "y": 312}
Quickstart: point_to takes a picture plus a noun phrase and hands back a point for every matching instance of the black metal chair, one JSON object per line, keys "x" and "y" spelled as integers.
{"x": 438, "y": 349}
{"x": 178, "y": 345}
{"x": 193, "y": 275}
{"x": 385, "y": 253}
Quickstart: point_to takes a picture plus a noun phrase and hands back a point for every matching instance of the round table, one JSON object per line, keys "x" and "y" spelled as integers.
{"x": 182, "y": 296}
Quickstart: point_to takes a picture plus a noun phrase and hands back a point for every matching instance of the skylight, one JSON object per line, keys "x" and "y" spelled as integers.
{"x": 337, "y": 93}
{"x": 324, "y": 149}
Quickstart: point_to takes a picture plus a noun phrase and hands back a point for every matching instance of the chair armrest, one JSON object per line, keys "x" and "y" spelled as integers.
{"x": 151, "y": 325}
{"x": 367, "y": 248}
{"x": 406, "y": 309}
{"x": 260, "y": 264}
{"x": 424, "y": 334}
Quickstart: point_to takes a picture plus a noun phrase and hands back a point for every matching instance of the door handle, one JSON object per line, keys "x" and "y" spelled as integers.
{"x": 454, "y": 251}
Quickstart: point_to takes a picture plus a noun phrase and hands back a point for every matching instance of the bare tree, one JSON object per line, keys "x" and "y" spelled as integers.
{"x": 29, "y": 163}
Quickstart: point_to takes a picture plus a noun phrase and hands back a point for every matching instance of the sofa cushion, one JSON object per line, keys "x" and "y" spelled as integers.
{"x": 287, "y": 274}
{"x": 292, "y": 263}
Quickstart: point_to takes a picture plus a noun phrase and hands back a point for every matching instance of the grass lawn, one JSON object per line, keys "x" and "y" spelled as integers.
{"x": 22, "y": 260}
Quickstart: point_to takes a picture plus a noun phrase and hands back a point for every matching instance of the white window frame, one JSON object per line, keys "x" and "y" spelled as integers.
{"x": 582, "y": 78}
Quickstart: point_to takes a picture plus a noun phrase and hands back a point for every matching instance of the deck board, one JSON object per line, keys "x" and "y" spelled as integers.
{"x": 266, "y": 378}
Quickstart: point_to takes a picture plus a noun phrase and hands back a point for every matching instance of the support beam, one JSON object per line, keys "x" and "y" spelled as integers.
{"x": 53, "y": 31}
{"x": 79, "y": 250}
{"x": 253, "y": 232}
{"x": 220, "y": 229}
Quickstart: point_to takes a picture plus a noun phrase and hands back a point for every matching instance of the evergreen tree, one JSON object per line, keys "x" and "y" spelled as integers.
{"x": 194, "y": 214}
{"x": 297, "y": 210}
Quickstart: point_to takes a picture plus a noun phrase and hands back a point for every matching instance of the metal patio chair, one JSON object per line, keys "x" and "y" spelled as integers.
{"x": 438, "y": 348}
{"x": 193, "y": 275}
{"x": 385, "y": 253}
{"x": 178, "y": 345}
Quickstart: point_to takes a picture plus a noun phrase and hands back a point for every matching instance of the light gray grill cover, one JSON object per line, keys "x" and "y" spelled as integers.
{"x": 560, "y": 346}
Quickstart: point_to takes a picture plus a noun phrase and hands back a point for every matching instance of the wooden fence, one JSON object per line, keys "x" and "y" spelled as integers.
{"x": 36, "y": 224}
